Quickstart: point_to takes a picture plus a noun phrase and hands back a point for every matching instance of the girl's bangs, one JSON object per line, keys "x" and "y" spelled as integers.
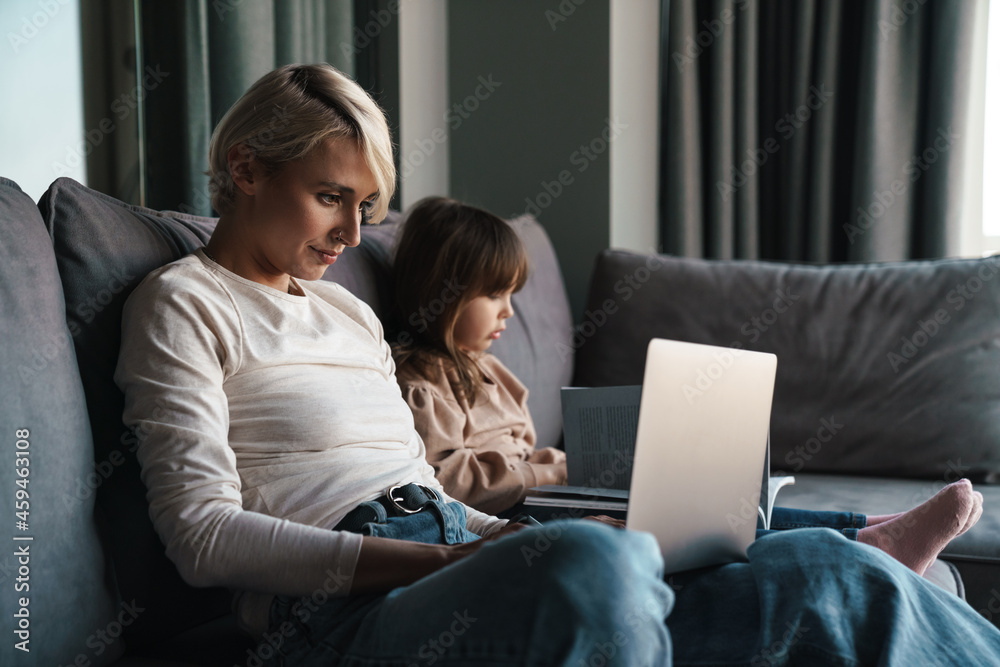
{"x": 507, "y": 267}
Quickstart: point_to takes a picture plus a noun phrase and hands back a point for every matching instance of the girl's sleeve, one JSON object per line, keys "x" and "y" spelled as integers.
{"x": 178, "y": 346}
{"x": 482, "y": 478}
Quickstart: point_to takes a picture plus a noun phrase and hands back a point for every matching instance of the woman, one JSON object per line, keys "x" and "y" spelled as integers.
{"x": 281, "y": 460}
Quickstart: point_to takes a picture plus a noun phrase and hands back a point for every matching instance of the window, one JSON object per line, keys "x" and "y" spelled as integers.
{"x": 991, "y": 135}
{"x": 41, "y": 119}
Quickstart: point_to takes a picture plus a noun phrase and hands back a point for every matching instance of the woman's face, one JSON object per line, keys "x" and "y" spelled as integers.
{"x": 297, "y": 222}
{"x": 482, "y": 320}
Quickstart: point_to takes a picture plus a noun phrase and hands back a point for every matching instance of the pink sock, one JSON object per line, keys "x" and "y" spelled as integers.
{"x": 915, "y": 538}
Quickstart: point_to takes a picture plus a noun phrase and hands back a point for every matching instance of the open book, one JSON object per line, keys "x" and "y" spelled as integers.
{"x": 599, "y": 430}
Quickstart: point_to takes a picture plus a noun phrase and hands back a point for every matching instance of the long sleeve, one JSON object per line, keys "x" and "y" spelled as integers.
{"x": 174, "y": 361}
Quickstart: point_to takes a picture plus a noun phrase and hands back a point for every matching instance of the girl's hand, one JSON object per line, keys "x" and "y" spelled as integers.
{"x": 550, "y": 473}
{"x": 548, "y": 455}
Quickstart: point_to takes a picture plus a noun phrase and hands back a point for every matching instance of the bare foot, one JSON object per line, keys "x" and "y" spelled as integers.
{"x": 915, "y": 538}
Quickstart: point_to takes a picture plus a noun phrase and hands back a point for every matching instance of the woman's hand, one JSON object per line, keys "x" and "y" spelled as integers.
{"x": 601, "y": 518}
{"x": 386, "y": 563}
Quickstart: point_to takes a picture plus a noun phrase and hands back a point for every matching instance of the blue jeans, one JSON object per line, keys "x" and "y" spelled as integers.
{"x": 784, "y": 518}
{"x": 581, "y": 593}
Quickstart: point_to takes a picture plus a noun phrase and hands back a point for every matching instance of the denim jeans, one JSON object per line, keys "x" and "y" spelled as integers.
{"x": 784, "y": 518}
{"x": 580, "y": 593}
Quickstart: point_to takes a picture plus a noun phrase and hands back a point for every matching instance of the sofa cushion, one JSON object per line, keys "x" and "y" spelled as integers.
{"x": 68, "y": 594}
{"x": 884, "y": 369}
{"x": 104, "y": 248}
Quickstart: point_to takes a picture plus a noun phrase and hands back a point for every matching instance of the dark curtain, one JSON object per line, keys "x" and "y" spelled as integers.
{"x": 813, "y": 130}
{"x": 199, "y": 56}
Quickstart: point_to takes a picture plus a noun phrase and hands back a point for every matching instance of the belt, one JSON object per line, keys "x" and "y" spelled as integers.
{"x": 399, "y": 500}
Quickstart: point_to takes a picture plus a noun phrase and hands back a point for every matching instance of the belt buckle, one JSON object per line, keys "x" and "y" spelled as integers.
{"x": 398, "y": 502}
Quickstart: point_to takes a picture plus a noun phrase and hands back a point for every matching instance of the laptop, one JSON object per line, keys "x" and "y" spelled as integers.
{"x": 701, "y": 444}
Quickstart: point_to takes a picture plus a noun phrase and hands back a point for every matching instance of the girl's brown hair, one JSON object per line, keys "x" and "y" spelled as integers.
{"x": 450, "y": 253}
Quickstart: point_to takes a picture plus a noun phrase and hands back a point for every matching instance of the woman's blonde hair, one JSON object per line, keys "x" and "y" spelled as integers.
{"x": 448, "y": 254}
{"x": 287, "y": 113}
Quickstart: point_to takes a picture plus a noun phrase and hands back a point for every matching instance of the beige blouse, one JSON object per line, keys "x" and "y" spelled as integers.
{"x": 482, "y": 455}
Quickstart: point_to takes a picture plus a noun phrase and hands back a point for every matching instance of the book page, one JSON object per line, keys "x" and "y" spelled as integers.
{"x": 599, "y": 428}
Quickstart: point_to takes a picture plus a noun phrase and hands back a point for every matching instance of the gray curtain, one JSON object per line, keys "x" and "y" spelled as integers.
{"x": 198, "y": 57}
{"x": 813, "y": 130}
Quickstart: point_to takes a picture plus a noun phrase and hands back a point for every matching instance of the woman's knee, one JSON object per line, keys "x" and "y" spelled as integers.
{"x": 590, "y": 545}
{"x": 601, "y": 565}
{"x": 604, "y": 585}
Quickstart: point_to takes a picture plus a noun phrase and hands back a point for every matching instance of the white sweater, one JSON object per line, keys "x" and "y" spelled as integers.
{"x": 263, "y": 418}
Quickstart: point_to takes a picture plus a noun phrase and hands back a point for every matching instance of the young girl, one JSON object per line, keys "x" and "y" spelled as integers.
{"x": 456, "y": 268}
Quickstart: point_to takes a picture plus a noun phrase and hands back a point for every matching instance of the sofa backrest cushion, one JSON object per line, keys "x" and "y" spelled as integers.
{"x": 44, "y": 416}
{"x": 104, "y": 248}
{"x": 537, "y": 344}
{"x": 882, "y": 368}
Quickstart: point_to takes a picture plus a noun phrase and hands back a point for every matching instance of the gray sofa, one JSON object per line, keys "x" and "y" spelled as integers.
{"x": 101, "y": 589}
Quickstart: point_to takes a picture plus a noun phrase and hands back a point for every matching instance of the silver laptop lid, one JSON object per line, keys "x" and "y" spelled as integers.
{"x": 699, "y": 451}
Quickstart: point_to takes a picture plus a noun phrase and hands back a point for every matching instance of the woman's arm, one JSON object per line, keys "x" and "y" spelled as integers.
{"x": 385, "y": 564}
{"x": 180, "y": 341}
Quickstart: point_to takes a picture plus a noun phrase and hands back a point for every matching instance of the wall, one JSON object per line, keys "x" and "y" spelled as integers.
{"x": 529, "y": 96}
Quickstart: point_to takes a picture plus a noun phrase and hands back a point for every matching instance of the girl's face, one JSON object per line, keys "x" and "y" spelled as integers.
{"x": 299, "y": 220}
{"x": 481, "y": 321}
